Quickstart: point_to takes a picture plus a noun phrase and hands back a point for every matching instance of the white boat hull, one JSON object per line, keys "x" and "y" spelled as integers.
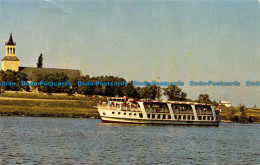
{"x": 162, "y": 122}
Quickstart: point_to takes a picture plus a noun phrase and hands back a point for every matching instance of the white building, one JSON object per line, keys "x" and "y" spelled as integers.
{"x": 226, "y": 103}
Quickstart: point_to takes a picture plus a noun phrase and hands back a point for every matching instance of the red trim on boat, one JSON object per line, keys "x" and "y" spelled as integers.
{"x": 109, "y": 121}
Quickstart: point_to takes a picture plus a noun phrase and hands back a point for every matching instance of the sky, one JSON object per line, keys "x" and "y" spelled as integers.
{"x": 176, "y": 40}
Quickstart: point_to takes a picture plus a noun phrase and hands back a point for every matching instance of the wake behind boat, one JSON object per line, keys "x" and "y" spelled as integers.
{"x": 128, "y": 110}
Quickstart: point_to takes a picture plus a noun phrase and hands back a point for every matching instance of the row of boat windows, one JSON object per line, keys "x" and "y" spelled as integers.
{"x": 163, "y": 108}
{"x": 188, "y": 117}
{"x": 177, "y": 108}
{"x": 158, "y": 116}
{"x": 203, "y": 110}
{"x": 164, "y": 116}
{"x": 184, "y": 117}
{"x": 130, "y": 114}
{"x": 206, "y": 117}
{"x": 182, "y": 109}
{"x": 156, "y": 107}
{"x": 124, "y": 106}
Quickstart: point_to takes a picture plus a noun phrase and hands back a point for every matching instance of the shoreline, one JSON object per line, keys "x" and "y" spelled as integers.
{"x": 88, "y": 117}
{"x": 39, "y": 105}
{"x": 20, "y": 115}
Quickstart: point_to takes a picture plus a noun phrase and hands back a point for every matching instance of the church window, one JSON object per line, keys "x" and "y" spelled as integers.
{"x": 13, "y": 50}
{"x": 7, "y": 50}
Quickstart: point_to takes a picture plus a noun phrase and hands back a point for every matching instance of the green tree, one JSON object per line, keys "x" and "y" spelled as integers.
{"x": 204, "y": 98}
{"x": 130, "y": 90}
{"x": 149, "y": 91}
{"x": 55, "y": 78}
{"x": 86, "y": 89}
{"x": 230, "y": 113}
{"x": 214, "y": 102}
{"x": 19, "y": 78}
{"x": 175, "y": 93}
{"x": 103, "y": 85}
{"x": 12, "y": 76}
{"x": 243, "y": 113}
{"x": 109, "y": 89}
{"x": 40, "y": 60}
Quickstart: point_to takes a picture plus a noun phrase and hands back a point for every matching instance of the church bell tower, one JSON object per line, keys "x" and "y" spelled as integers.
{"x": 10, "y": 61}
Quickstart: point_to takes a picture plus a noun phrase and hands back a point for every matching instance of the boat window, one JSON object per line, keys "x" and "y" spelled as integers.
{"x": 113, "y": 112}
{"x": 140, "y": 115}
{"x": 184, "y": 117}
{"x": 169, "y": 117}
{"x": 199, "y": 117}
{"x": 188, "y": 117}
{"x": 164, "y": 117}
{"x": 129, "y": 114}
{"x": 193, "y": 118}
{"x": 124, "y": 113}
{"x": 182, "y": 109}
{"x": 134, "y": 114}
{"x": 119, "y": 113}
{"x": 203, "y": 109}
{"x": 175, "y": 116}
{"x": 154, "y": 107}
{"x": 204, "y": 117}
{"x": 148, "y": 116}
{"x": 153, "y": 116}
{"x": 158, "y": 116}
{"x": 212, "y": 117}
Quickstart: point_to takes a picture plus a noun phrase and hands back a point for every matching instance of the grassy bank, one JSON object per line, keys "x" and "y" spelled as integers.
{"x": 36, "y": 108}
{"x": 229, "y": 113}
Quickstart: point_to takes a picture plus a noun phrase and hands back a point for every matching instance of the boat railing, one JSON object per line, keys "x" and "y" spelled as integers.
{"x": 156, "y": 110}
{"x": 120, "y": 107}
{"x": 178, "y": 111}
{"x": 204, "y": 112}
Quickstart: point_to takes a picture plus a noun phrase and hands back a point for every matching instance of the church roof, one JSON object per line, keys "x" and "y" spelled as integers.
{"x": 10, "y": 58}
{"x": 32, "y": 72}
{"x": 10, "y": 41}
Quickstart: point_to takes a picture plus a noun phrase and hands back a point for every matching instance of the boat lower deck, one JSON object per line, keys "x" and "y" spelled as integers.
{"x": 162, "y": 122}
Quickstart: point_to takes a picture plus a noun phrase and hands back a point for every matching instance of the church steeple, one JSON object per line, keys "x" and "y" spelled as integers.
{"x": 10, "y": 47}
{"x": 10, "y": 61}
{"x": 10, "y": 41}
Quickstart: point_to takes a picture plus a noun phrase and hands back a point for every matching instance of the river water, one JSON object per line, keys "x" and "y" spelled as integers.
{"x": 27, "y": 140}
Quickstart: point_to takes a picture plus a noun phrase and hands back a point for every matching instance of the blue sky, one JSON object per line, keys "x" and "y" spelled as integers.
{"x": 201, "y": 40}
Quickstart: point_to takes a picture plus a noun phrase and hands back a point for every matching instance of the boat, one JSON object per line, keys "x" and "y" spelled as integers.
{"x": 143, "y": 111}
